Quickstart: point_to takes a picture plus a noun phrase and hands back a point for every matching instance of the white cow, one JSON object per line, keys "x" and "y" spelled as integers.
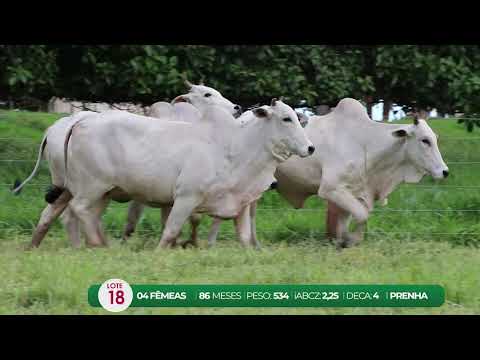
{"x": 243, "y": 120}
{"x": 52, "y": 150}
{"x": 213, "y": 168}
{"x": 357, "y": 162}
{"x": 189, "y": 108}
{"x": 200, "y": 96}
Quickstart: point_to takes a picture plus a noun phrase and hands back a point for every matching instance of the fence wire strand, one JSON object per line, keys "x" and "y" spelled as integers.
{"x": 231, "y": 232}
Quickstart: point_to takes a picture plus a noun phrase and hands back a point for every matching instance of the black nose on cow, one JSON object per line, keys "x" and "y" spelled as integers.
{"x": 237, "y": 107}
{"x": 311, "y": 149}
{"x": 445, "y": 173}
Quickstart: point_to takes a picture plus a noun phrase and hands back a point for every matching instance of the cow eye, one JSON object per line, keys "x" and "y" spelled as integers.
{"x": 426, "y": 142}
{"x": 287, "y": 119}
{"x": 208, "y": 95}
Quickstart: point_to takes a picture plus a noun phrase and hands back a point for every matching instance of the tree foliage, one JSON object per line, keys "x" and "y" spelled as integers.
{"x": 444, "y": 77}
{"x": 27, "y": 72}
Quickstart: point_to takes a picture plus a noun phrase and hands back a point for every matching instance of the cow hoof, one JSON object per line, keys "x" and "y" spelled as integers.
{"x": 349, "y": 240}
{"x": 96, "y": 246}
{"x": 191, "y": 243}
{"x": 343, "y": 243}
{"x": 29, "y": 247}
{"x": 165, "y": 245}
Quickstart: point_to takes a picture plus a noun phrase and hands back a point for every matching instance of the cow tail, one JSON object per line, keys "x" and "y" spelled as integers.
{"x": 18, "y": 186}
{"x": 55, "y": 191}
{"x": 65, "y": 151}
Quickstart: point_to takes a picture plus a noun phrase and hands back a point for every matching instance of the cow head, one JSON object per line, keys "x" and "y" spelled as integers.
{"x": 288, "y": 136}
{"x": 422, "y": 149}
{"x": 202, "y": 96}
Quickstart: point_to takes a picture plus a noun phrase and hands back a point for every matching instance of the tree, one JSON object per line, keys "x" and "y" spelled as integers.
{"x": 29, "y": 73}
{"x": 149, "y": 73}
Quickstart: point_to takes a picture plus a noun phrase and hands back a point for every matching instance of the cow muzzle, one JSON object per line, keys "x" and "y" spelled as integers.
{"x": 441, "y": 173}
{"x": 309, "y": 150}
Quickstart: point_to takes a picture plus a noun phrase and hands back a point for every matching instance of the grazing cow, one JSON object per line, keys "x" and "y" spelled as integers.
{"x": 358, "y": 161}
{"x": 52, "y": 149}
{"x": 211, "y": 169}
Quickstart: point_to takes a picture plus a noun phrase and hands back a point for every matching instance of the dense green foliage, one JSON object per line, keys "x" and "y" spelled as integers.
{"x": 422, "y": 77}
{"x": 414, "y": 246}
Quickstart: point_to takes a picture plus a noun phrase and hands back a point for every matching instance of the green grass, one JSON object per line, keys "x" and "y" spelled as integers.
{"x": 401, "y": 247}
{"x": 54, "y": 279}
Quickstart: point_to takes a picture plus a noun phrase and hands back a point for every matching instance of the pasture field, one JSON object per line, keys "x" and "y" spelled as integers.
{"x": 427, "y": 234}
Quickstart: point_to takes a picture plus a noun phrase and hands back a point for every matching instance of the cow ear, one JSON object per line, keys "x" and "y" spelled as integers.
{"x": 180, "y": 98}
{"x": 415, "y": 119}
{"x": 260, "y": 112}
{"x": 400, "y": 133}
{"x": 274, "y": 101}
{"x": 302, "y": 118}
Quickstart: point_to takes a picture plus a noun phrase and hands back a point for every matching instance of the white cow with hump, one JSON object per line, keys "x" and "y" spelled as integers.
{"x": 189, "y": 108}
{"x": 357, "y": 162}
{"x": 246, "y": 118}
{"x": 185, "y": 107}
{"x": 213, "y": 168}
{"x": 200, "y": 96}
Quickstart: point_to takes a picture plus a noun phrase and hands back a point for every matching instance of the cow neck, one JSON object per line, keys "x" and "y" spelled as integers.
{"x": 250, "y": 153}
{"x": 385, "y": 160}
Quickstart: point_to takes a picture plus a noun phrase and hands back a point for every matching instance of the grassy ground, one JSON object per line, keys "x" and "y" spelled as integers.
{"x": 402, "y": 246}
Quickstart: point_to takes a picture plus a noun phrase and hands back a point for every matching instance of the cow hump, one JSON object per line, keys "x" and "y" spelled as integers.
{"x": 351, "y": 108}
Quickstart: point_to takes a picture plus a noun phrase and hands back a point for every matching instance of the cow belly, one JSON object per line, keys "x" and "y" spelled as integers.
{"x": 227, "y": 205}
{"x": 296, "y": 190}
{"x": 119, "y": 195}
{"x": 148, "y": 189}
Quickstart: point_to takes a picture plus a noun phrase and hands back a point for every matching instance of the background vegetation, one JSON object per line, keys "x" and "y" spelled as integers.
{"x": 445, "y": 77}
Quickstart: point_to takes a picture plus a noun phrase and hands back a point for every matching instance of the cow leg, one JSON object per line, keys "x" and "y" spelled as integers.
{"x": 195, "y": 222}
{"x": 49, "y": 214}
{"x": 214, "y": 229}
{"x": 165, "y": 213}
{"x": 99, "y": 209}
{"x": 182, "y": 209}
{"x": 253, "y": 225}
{"x": 242, "y": 226}
{"x": 90, "y": 215}
{"x": 135, "y": 210}
{"x": 341, "y": 229}
{"x": 357, "y": 235}
{"x": 72, "y": 225}
{"x": 332, "y": 219}
{"x": 350, "y": 204}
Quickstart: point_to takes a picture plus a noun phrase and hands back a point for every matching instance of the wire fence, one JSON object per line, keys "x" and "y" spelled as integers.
{"x": 17, "y": 206}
